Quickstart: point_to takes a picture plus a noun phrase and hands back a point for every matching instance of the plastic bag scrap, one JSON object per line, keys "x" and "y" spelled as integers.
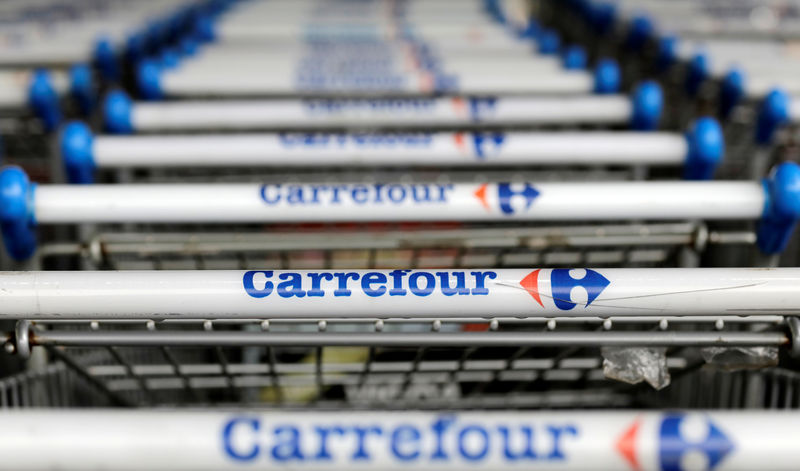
{"x": 740, "y": 358}
{"x": 636, "y": 364}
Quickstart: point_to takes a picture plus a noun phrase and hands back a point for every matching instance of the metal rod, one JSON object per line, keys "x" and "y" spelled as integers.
{"x": 442, "y": 339}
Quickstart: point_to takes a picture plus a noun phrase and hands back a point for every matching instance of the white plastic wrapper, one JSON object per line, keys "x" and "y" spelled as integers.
{"x": 636, "y": 364}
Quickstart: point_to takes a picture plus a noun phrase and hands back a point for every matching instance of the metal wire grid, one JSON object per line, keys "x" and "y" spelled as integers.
{"x": 393, "y": 363}
{"x": 331, "y": 246}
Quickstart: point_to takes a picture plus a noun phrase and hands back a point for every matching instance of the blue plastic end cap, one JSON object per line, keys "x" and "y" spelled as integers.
{"x": 105, "y": 56}
{"x": 531, "y": 30}
{"x": 76, "y": 152}
{"x": 648, "y": 104}
{"x": 697, "y": 74}
{"x": 148, "y": 79}
{"x": 603, "y": 16}
{"x": 782, "y": 208}
{"x": 16, "y": 213}
{"x": 731, "y": 91}
{"x": 549, "y": 42}
{"x": 188, "y": 46}
{"x": 204, "y": 29}
{"x": 575, "y": 58}
{"x": 639, "y": 32}
{"x": 169, "y": 59}
{"x": 117, "y": 113}
{"x": 706, "y": 149}
{"x": 667, "y": 52}
{"x": 43, "y": 99}
{"x": 134, "y": 47}
{"x": 607, "y": 77}
{"x": 773, "y": 112}
{"x": 81, "y": 87}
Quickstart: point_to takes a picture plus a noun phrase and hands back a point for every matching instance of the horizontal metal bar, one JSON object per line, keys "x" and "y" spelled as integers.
{"x": 442, "y": 339}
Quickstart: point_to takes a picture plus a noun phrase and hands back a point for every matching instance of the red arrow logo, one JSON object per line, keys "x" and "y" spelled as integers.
{"x": 626, "y": 445}
{"x": 531, "y": 284}
{"x": 459, "y": 140}
{"x": 480, "y": 193}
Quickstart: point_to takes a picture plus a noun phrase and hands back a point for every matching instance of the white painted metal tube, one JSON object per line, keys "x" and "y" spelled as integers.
{"x": 480, "y": 293}
{"x": 174, "y": 203}
{"x": 265, "y": 114}
{"x": 366, "y": 149}
{"x": 148, "y": 440}
{"x": 181, "y": 82}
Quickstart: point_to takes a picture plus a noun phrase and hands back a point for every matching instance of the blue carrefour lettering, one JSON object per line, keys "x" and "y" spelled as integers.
{"x": 448, "y": 439}
{"x": 356, "y": 194}
{"x": 362, "y": 140}
{"x": 405, "y": 442}
{"x": 228, "y": 430}
{"x": 421, "y": 283}
{"x": 287, "y": 443}
{"x": 562, "y": 284}
{"x": 480, "y": 436}
{"x": 249, "y": 284}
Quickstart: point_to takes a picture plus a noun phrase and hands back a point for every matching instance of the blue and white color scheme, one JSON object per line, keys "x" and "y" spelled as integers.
{"x": 641, "y": 111}
{"x": 411, "y": 293}
{"x": 237, "y": 440}
{"x": 700, "y": 150}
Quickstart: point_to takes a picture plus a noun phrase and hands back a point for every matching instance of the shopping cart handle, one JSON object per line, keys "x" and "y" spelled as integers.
{"x": 117, "y": 112}
{"x": 774, "y": 112}
{"x": 81, "y": 87}
{"x": 105, "y": 58}
{"x": 731, "y": 91}
{"x": 16, "y": 222}
{"x": 607, "y": 77}
{"x": 648, "y": 104}
{"x": 43, "y": 99}
{"x": 706, "y": 149}
{"x": 782, "y": 208}
{"x": 75, "y": 143}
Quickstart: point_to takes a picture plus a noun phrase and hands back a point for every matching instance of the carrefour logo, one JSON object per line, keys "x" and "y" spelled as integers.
{"x": 563, "y": 282}
{"x": 685, "y": 442}
{"x": 358, "y": 194}
{"x": 263, "y": 283}
{"x": 507, "y": 194}
{"x": 484, "y": 145}
{"x": 366, "y": 140}
{"x": 442, "y": 440}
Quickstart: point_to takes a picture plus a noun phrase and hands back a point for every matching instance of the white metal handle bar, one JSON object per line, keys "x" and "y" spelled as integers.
{"x": 413, "y": 293}
{"x": 776, "y": 202}
{"x": 497, "y": 440}
{"x": 641, "y": 111}
{"x": 195, "y": 440}
{"x": 700, "y": 150}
